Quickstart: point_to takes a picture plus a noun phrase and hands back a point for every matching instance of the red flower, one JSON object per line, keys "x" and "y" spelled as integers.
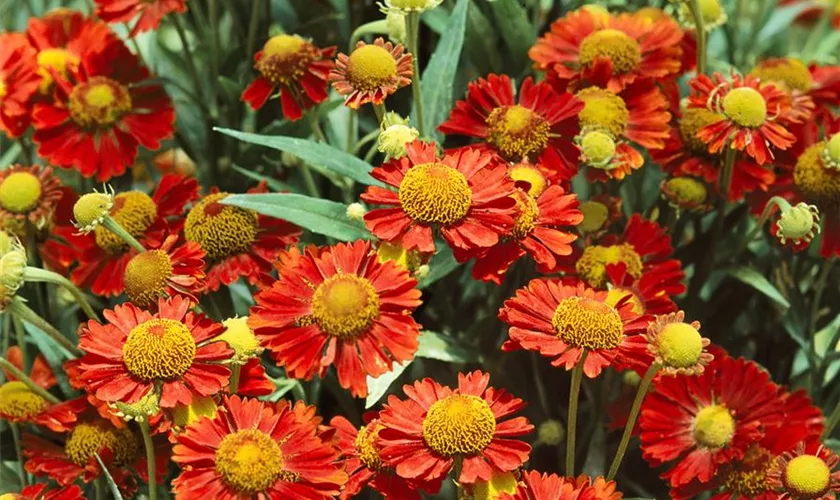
{"x": 18, "y": 82}
{"x": 423, "y": 435}
{"x": 539, "y": 126}
{"x": 28, "y": 195}
{"x": 372, "y": 72}
{"x": 536, "y": 486}
{"x": 466, "y": 195}
{"x": 341, "y": 306}
{"x": 562, "y": 322}
{"x": 39, "y": 492}
{"x": 297, "y": 67}
{"x": 173, "y": 352}
{"x": 806, "y": 473}
{"x": 167, "y": 271}
{"x": 252, "y": 449}
{"x": 697, "y": 424}
{"x": 102, "y": 112}
{"x": 613, "y": 50}
{"x": 150, "y": 12}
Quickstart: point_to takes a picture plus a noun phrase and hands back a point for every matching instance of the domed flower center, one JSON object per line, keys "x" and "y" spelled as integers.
{"x": 517, "y": 132}
{"x": 714, "y": 426}
{"x": 146, "y": 276}
{"x": 20, "y": 192}
{"x": 221, "y": 230}
{"x": 615, "y": 295}
{"x": 91, "y": 208}
{"x": 99, "y": 102}
{"x": 345, "y": 305}
{"x": 819, "y": 183}
{"x": 597, "y": 149}
{"x": 201, "y": 406}
{"x": 529, "y": 212}
{"x": 18, "y": 401}
{"x": 159, "y": 349}
{"x": 370, "y": 67}
{"x": 88, "y": 439}
{"x": 614, "y": 45}
{"x": 250, "y": 461}
{"x": 745, "y": 106}
{"x": 800, "y": 222}
{"x": 435, "y": 193}
{"x": 691, "y": 121}
{"x": 284, "y": 58}
{"x": 831, "y": 153}
{"x": 241, "y": 339}
{"x": 680, "y": 345}
{"x": 595, "y": 215}
{"x": 460, "y": 424}
{"x": 807, "y": 476}
{"x": 603, "y": 111}
{"x": 711, "y": 11}
{"x": 788, "y": 74}
{"x": 748, "y": 477}
{"x": 365, "y": 445}
{"x": 587, "y": 323}
{"x": 592, "y": 264}
{"x": 685, "y": 191}
{"x": 135, "y": 211}
{"x": 55, "y": 59}
{"x": 528, "y": 178}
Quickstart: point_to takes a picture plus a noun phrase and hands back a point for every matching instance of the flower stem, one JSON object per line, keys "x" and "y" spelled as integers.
{"x": 380, "y": 111}
{"x": 253, "y": 25}
{"x": 24, "y": 479}
{"x": 775, "y": 201}
{"x": 20, "y": 334}
{"x": 700, "y": 28}
{"x": 571, "y": 422}
{"x": 37, "y": 389}
{"x": 235, "y": 371}
{"x": 38, "y": 274}
{"x": 115, "y": 227}
{"x": 22, "y": 311}
{"x": 813, "y": 319}
{"x": 182, "y": 35}
{"x": 150, "y": 458}
{"x": 413, "y": 41}
{"x": 644, "y": 385}
{"x": 99, "y": 487}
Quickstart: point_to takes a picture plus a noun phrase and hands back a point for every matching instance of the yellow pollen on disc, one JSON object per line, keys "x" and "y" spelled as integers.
{"x": 159, "y": 349}
{"x": 285, "y": 58}
{"x": 410, "y": 261}
{"x": 807, "y": 476}
{"x": 528, "y": 178}
{"x": 595, "y": 215}
{"x": 241, "y": 339}
{"x": 91, "y": 208}
{"x": 685, "y": 191}
{"x": 603, "y": 110}
{"x": 18, "y": 401}
{"x": 250, "y": 461}
{"x": 88, "y": 439}
{"x": 201, "y": 406}
{"x": 221, "y": 230}
{"x": 745, "y": 106}
{"x": 614, "y": 295}
{"x": 592, "y": 264}
{"x": 691, "y": 121}
{"x": 56, "y": 59}
{"x": 283, "y": 45}
{"x": 99, "y": 102}
{"x": 20, "y": 192}
{"x": 597, "y": 148}
{"x": 713, "y": 427}
{"x": 146, "y": 276}
{"x": 819, "y": 184}
{"x": 587, "y": 323}
{"x": 679, "y": 345}
{"x": 500, "y": 482}
{"x": 365, "y": 445}
{"x": 529, "y": 213}
{"x": 435, "y": 193}
{"x": 517, "y": 132}
{"x": 345, "y": 305}
{"x": 460, "y": 424}
{"x": 748, "y": 477}
{"x": 614, "y": 45}
{"x": 135, "y": 211}
{"x": 370, "y": 67}
{"x": 3, "y": 89}
{"x": 788, "y": 73}
{"x": 11, "y": 496}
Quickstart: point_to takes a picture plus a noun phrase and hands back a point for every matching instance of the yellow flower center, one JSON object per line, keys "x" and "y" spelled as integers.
{"x": 526, "y": 221}
{"x": 592, "y": 264}
{"x": 788, "y": 73}
{"x": 831, "y": 153}
{"x": 597, "y": 148}
{"x": 517, "y": 132}
{"x": 685, "y": 191}
{"x": 714, "y": 426}
{"x": 370, "y": 67}
{"x": 135, "y": 211}
{"x": 615, "y": 295}
{"x": 250, "y": 461}
{"x": 20, "y": 192}
{"x": 679, "y": 345}
{"x": 748, "y": 477}
{"x": 159, "y": 349}
{"x": 595, "y": 215}
{"x": 18, "y": 401}
{"x": 603, "y": 111}
{"x": 56, "y": 59}
{"x": 460, "y": 424}
{"x": 285, "y": 58}
{"x": 345, "y": 305}
{"x": 819, "y": 184}
{"x": 200, "y": 407}
{"x": 435, "y": 193}
{"x": 365, "y": 445}
{"x": 221, "y": 230}
{"x": 807, "y": 476}
{"x": 3, "y": 88}
{"x": 410, "y": 261}
{"x": 692, "y": 120}
{"x": 146, "y": 275}
{"x": 745, "y": 106}
{"x": 241, "y": 339}
{"x": 500, "y": 482}
{"x": 711, "y": 11}
{"x": 528, "y": 178}
{"x": 624, "y": 52}
{"x": 587, "y": 323}
{"x": 88, "y": 439}
{"x": 91, "y": 208}
{"x": 99, "y": 102}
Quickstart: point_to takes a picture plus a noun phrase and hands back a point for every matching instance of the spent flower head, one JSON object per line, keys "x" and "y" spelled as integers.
{"x": 92, "y": 209}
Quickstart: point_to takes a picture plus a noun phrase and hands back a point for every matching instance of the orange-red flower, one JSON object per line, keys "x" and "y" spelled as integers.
{"x": 611, "y": 51}
{"x": 341, "y": 306}
{"x": 372, "y": 72}
{"x": 27, "y": 194}
{"x": 40, "y": 492}
{"x": 173, "y": 352}
{"x": 538, "y": 125}
{"x": 149, "y": 13}
{"x": 807, "y": 473}
{"x": 466, "y": 195}
{"x": 166, "y": 271}
{"x": 294, "y": 66}
{"x": 19, "y": 81}
{"x": 424, "y": 435}
{"x": 251, "y": 449}
{"x": 536, "y": 486}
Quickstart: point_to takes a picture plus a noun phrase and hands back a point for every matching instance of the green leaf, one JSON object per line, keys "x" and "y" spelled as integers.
{"x": 9, "y": 479}
{"x": 512, "y": 20}
{"x": 377, "y": 387}
{"x": 442, "y": 263}
{"x": 273, "y": 184}
{"x": 55, "y": 354}
{"x": 112, "y": 486}
{"x": 752, "y": 278}
{"x": 319, "y": 216}
{"x": 322, "y": 157}
{"x": 781, "y": 19}
{"x": 440, "y": 72}
{"x": 443, "y": 348}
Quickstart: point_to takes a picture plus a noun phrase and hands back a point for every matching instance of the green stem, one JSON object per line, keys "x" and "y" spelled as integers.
{"x": 215, "y": 43}
{"x": 413, "y": 41}
{"x": 37, "y": 389}
{"x": 775, "y": 201}
{"x": 309, "y": 181}
{"x": 315, "y": 125}
{"x": 22, "y": 311}
{"x": 822, "y": 280}
{"x": 182, "y": 35}
{"x": 99, "y": 487}
{"x": 115, "y": 227}
{"x": 150, "y": 458}
{"x": 380, "y": 111}
{"x": 644, "y": 385}
{"x": 43, "y": 275}
{"x": 700, "y": 28}
{"x": 571, "y": 422}
{"x": 253, "y": 25}
{"x": 24, "y": 479}
{"x": 20, "y": 335}
{"x": 235, "y": 370}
